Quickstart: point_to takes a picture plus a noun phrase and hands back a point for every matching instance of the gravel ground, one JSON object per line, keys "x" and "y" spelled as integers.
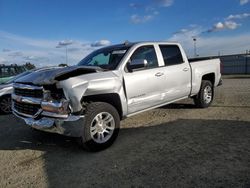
{"x": 173, "y": 146}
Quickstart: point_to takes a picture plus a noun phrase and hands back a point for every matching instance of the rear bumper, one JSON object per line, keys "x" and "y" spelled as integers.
{"x": 70, "y": 126}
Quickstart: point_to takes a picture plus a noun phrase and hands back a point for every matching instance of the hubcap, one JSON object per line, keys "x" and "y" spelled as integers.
{"x": 5, "y": 105}
{"x": 102, "y": 127}
{"x": 207, "y": 94}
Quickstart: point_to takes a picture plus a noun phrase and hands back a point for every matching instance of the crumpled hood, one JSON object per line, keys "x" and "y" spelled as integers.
{"x": 55, "y": 74}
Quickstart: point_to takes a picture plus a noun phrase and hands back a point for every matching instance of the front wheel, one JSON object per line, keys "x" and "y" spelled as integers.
{"x": 205, "y": 96}
{"x": 102, "y": 123}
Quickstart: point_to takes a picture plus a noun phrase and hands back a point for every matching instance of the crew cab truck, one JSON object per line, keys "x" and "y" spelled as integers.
{"x": 90, "y": 99}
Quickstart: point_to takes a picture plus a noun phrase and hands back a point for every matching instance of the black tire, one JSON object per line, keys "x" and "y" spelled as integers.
{"x": 89, "y": 141}
{"x": 201, "y": 100}
{"x": 5, "y": 104}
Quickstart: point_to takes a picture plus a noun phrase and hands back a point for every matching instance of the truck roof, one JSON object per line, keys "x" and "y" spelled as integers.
{"x": 130, "y": 44}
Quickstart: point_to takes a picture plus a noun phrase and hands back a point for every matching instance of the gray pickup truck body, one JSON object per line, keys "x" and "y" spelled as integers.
{"x": 130, "y": 92}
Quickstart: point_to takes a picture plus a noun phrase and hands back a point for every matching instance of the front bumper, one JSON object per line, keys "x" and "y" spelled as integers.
{"x": 38, "y": 109}
{"x": 70, "y": 126}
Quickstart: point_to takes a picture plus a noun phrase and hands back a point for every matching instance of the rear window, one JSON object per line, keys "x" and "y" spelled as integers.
{"x": 171, "y": 54}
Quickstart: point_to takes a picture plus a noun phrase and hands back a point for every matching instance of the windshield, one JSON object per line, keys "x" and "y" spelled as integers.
{"x": 105, "y": 58}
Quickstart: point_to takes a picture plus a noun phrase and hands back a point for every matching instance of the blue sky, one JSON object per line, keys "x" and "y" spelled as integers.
{"x": 38, "y": 31}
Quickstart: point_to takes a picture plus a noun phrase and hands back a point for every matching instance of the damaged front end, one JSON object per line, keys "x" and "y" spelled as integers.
{"x": 46, "y": 110}
{"x": 44, "y": 106}
{"x": 51, "y": 100}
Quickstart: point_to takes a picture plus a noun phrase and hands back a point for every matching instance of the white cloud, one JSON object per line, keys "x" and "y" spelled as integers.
{"x": 224, "y": 45}
{"x": 136, "y": 5}
{"x": 185, "y": 36}
{"x": 15, "y": 54}
{"x": 42, "y": 52}
{"x": 6, "y": 50}
{"x": 3, "y": 61}
{"x": 219, "y": 26}
{"x": 238, "y": 16}
{"x": 231, "y": 25}
{"x": 243, "y": 2}
{"x": 136, "y": 19}
{"x": 164, "y": 3}
{"x": 101, "y": 43}
{"x": 156, "y": 12}
{"x": 34, "y": 58}
{"x": 19, "y": 40}
{"x": 211, "y": 45}
{"x": 150, "y": 9}
{"x": 74, "y": 49}
{"x": 64, "y": 43}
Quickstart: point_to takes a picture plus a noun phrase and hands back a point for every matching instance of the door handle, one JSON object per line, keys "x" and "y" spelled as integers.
{"x": 158, "y": 74}
{"x": 185, "y": 69}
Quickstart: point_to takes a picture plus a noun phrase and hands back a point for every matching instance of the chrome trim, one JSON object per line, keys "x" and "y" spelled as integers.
{"x": 25, "y": 115}
{"x": 72, "y": 126}
{"x": 30, "y": 100}
{"x": 54, "y": 115}
{"x": 24, "y": 86}
{"x": 44, "y": 113}
{"x": 20, "y": 113}
{"x": 52, "y": 104}
{"x": 60, "y": 108}
{"x": 39, "y": 101}
{"x": 39, "y": 124}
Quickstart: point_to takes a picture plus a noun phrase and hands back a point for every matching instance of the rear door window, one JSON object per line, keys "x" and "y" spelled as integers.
{"x": 171, "y": 54}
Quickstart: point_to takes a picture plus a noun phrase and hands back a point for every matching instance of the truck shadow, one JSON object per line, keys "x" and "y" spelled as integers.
{"x": 183, "y": 153}
{"x": 179, "y": 106}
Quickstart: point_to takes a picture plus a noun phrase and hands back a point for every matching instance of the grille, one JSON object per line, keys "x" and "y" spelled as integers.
{"x": 25, "y": 108}
{"x": 36, "y": 93}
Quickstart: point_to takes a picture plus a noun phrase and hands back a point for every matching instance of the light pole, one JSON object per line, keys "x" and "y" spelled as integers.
{"x": 195, "y": 49}
{"x": 65, "y": 44}
{"x": 66, "y": 54}
{"x": 246, "y": 65}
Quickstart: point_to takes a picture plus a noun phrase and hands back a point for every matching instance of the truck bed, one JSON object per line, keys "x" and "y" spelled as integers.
{"x": 203, "y": 66}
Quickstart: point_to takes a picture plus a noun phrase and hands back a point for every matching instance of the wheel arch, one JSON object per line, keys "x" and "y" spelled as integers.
{"x": 111, "y": 98}
{"x": 5, "y": 95}
{"x": 210, "y": 77}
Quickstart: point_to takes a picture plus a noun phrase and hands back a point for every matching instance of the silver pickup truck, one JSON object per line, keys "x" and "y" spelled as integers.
{"x": 89, "y": 100}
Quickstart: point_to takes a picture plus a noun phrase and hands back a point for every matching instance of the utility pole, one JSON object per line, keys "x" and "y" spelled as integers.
{"x": 62, "y": 44}
{"x": 246, "y": 65}
{"x": 195, "y": 50}
{"x": 66, "y": 55}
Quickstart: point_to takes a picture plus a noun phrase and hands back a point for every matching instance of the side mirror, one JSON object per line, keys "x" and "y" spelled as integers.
{"x": 137, "y": 64}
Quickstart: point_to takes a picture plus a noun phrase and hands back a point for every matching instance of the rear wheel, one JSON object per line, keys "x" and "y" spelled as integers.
{"x": 205, "y": 96}
{"x": 101, "y": 127}
{"x": 5, "y": 104}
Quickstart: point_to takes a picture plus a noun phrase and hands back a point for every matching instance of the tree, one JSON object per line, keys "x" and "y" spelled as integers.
{"x": 29, "y": 65}
{"x": 63, "y": 65}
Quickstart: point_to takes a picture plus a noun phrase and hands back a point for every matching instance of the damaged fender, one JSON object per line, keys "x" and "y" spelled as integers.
{"x": 77, "y": 87}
